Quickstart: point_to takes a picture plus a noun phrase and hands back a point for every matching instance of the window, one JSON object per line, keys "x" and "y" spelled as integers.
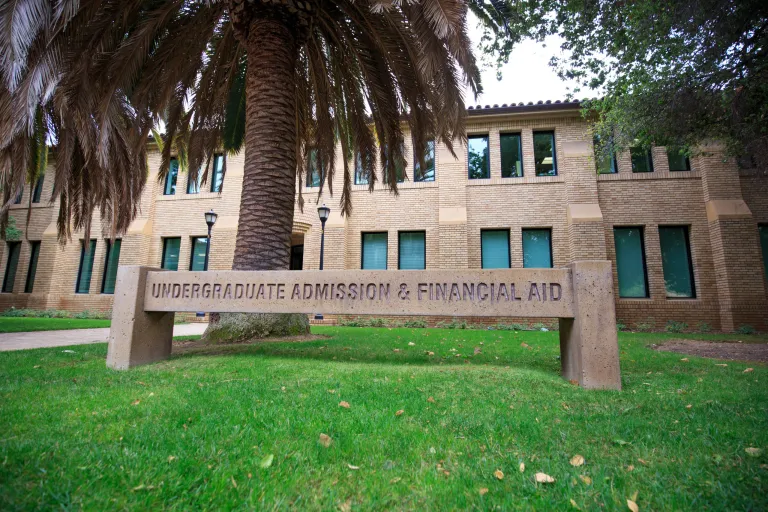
{"x": 111, "y": 262}
{"x": 313, "y": 179}
{"x": 217, "y": 177}
{"x": 630, "y": 262}
{"x": 34, "y": 254}
{"x": 676, "y": 261}
{"x": 428, "y": 174}
{"x": 511, "y": 155}
{"x": 412, "y": 250}
{"x": 14, "y": 248}
{"x": 399, "y": 169}
{"x": 297, "y": 257}
{"x": 171, "y": 248}
{"x": 197, "y": 260}
{"x": 678, "y": 161}
{"x": 193, "y": 186}
{"x": 494, "y": 248}
{"x": 477, "y": 157}
{"x": 85, "y": 271}
{"x": 374, "y": 255}
{"x": 171, "y": 177}
{"x": 641, "y": 160}
{"x": 764, "y": 243}
{"x": 361, "y": 177}
{"x": 544, "y": 153}
{"x": 38, "y": 190}
{"x": 537, "y": 248}
{"x": 606, "y": 162}
{"x": 19, "y": 196}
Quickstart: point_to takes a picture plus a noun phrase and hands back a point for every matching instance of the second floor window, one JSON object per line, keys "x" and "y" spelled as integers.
{"x": 217, "y": 173}
{"x": 428, "y": 173}
{"x": 478, "y": 161}
{"x": 544, "y": 156}
{"x": 38, "y": 190}
{"x": 171, "y": 177}
{"x": 511, "y": 155}
{"x": 678, "y": 160}
{"x": 641, "y": 160}
{"x": 361, "y": 177}
{"x": 314, "y": 169}
{"x": 606, "y": 160}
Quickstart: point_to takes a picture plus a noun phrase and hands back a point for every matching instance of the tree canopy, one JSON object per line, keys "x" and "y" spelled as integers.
{"x": 666, "y": 72}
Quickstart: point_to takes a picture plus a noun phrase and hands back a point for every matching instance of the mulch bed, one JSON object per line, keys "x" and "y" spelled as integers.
{"x": 730, "y": 351}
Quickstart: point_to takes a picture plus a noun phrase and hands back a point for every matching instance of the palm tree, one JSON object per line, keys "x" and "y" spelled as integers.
{"x": 282, "y": 77}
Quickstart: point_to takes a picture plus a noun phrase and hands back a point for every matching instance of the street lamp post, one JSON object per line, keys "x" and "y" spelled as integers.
{"x": 323, "y": 212}
{"x": 210, "y": 219}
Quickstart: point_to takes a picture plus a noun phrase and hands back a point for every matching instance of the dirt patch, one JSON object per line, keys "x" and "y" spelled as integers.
{"x": 183, "y": 347}
{"x": 731, "y": 351}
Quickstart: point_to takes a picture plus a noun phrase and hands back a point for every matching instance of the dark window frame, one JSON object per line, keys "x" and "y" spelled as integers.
{"x": 110, "y": 246}
{"x": 214, "y": 173}
{"x": 321, "y": 171}
{"x": 509, "y": 248}
{"x": 34, "y": 256}
{"x": 192, "y": 253}
{"x": 555, "y": 170}
{"x": 399, "y": 243}
{"x": 197, "y": 183}
{"x": 165, "y": 248}
{"x": 362, "y": 247}
{"x": 38, "y": 190}
{"x": 171, "y": 175}
{"x": 551, "y": 252}
{"x": 519, "y": 136}
{"x": 642, "y": 253}
{"x": 687, "y": 230}
{"x": 80, "y": 266}
{"x": 9, "y": 246}
{"x": 19, "y": 196}
{"x": 416, "y": 165}
{"x": 487, "y": 138}
{"x": 359, "y": 171}
{"x": 761, "y": 226}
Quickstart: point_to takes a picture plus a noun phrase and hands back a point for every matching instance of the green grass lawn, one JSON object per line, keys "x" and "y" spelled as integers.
{"x": 199, "y": 431}
{"x": 21, "y": 324}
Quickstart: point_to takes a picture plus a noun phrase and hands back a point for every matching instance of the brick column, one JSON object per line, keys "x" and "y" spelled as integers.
{"x": 576, "y": 163}
{"x": 735, "y": 246}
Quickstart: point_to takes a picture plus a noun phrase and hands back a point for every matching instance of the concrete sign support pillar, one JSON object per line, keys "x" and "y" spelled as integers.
{"x": 581, "y": 296}
{"x": 137, "y": 337}
{"x": 589, "y": 350}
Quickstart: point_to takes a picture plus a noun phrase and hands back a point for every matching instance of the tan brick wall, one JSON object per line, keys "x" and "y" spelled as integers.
{"x": 452, "y": 211}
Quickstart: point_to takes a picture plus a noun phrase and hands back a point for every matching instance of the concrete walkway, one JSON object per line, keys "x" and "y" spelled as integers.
{"x": 44, "y": 339}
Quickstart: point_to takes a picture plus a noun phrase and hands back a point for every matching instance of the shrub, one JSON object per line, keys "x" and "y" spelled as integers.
{"x": 415, "y": 324}
{"x": 56, "y": 313}
{"x": 453, "y": 324}
{"x": 675, "y": 326}
{"x": 538, "y": 326}
{"x": 509, "y": 327}
{"x": 703, "y": 327}
{"x": 745, "y": 329}
{"x": 621, "y": 326}
{"x": 644, "y": 326}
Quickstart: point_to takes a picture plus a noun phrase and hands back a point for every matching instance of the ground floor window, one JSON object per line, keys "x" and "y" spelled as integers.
{"x": 34, "y": 253}
{"x": 412, "y": 250}
{"x": 537, "y": 248}
{"x": 297, "y": 257}
{"x": 764, "y": 245}
{"x": 197, "y": 260}
{"x": 676, "y": 261}
{"x": 171, "y": 248}
{"x": 630, "y": 262}
{"x": 111, "y": 262}
{"x": 85, "y": 272}
{"x": 374, "y": 251}
{"x": 494, "y": 248}
{"x": 14, "y": 249}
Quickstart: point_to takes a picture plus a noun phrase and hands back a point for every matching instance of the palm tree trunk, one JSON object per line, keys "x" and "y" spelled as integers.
{"x": 269, "y": 181}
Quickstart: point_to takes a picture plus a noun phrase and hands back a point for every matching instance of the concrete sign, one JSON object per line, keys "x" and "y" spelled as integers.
{"x": 581, "y": 296}
{"x": 511, "y": 292}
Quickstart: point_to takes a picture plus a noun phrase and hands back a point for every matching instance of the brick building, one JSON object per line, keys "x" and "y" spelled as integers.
{"x": 688, "y": 239}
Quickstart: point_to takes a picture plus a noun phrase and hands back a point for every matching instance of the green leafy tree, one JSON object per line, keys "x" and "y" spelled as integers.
{"x": 672, "y": 73}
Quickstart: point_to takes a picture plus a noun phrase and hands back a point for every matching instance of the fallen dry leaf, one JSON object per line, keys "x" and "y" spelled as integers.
{"x": 234, "y": 484}
{"x": 543, "y": 478}
{"x": 584, "y": 478}
{"x": 325, "y": 440}
{"x": 574, "y": 505}
{"x": 748, "y": 370}
{"x": 171, "y": 458}
{"x": 395, "y": 480}
{"x": 633, "y": 506}
{"x": 399, "y": 413}
{"x": 630, "y": 468}
{"x": 136, "y": 402}
{"x": 522, "y": 467}
{"x": 498, "y": 474}
{"x": 483, "y": 491}
{"x": 395, "y": 350}
{"x": 753, "y": 452}
{"x": 685, "y": 359}
{"x": 344, "y": 404}
{"x": 643, "y": 462}
{"x": 411, "y": 344}
{"x": 350, "y": 466}
{"x": 345, "y": 506}
{"x": 332, "y": 391}
{"x": 525, "y": 345}
{"x": 688, "y": 406}
{"x": 577, "y": 460}
{"x": 430, "y": 353}
{"x": 431, "y": 400}
{"x": 721, "y": 364}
